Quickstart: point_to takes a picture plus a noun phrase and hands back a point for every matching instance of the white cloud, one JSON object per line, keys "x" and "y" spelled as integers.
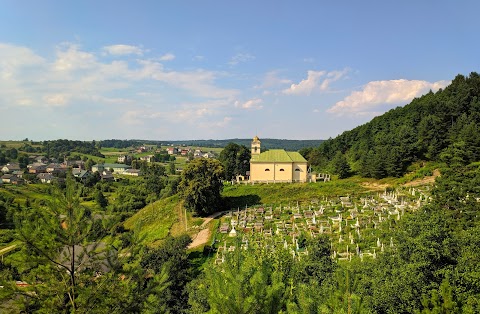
{"x": 12, "y": 56}
{"x": 122, "y": 50}
{"x": 71, "y": 58}
{"x": 76, "y": 76}
{"x": 377, "y": 93}
{"x": 240, "y": 58}
{"x": 272, "y": 79}
{"x": 167, "y": 57}
{"x": 224, "y": 122}
{"x": 250, "y": 104}
{"x": 315, "y": 81}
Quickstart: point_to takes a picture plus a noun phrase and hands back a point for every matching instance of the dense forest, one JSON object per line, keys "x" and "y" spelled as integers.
{"x": 441, "y": 126}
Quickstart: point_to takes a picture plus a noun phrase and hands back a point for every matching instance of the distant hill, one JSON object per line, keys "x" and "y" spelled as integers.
{"x": 268, "y": 143}
{"x": 441, "y": 126}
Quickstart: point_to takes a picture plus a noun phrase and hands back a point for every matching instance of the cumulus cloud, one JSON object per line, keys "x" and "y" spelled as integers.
{"x": 123, "y": 50}
{"x": 315, "y": 81}
{"x": 378, "y": 93}
{"x": 71, "y": 58}
{"x": 250, "y": 104}
{"x": 75, "y": 75}
{"x": 240, "y": 58}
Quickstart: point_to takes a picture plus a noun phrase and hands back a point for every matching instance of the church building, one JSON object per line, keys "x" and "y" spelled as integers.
{"x": 276, "y": 165}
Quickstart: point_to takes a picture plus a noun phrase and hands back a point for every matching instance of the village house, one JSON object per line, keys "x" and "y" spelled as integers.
{"x": 107, "y": 176}
{"x": 37, "y": 167}
{"x": 124, "y": 159}
{"x": 208, "y": 155}
{"x": 18, "y": 173}
{"x": 149, "y": 158}
{"x": 10, "y": 167}
{"x": 133, "y": 172}
{"x": 45, "y": 177}
{"x": 55, "y": 168}
{"x": 12, "y": 179}
{"x": 198, "y": 153}
{"x": 81, "y": 174}
{"x": 276, "y": 165}
{"x": 172, "y": 150}
{"x": 117, "y": 168}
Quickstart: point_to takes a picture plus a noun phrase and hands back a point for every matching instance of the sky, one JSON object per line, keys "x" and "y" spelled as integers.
{"x": 178, "y": 70}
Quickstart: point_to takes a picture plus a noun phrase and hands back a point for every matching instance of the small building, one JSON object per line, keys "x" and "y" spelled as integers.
{"x": 124, "y": 159}
{"x": 6, "y": 178}
{"x": 172, "y": 150}
{"x": 10, "y": 167}
{"x": 276, "y": 165}
{"x": 118, "y": 168}
{"x": 81, "y": 174}
{"x": 55, "y": 168}
{"x": 107, "y": 176}
{"x": 208, "y": 155}
{"x": 37, "y": 167}
{"x": 133, "y": 172}
{"x": 148, "y": 158}
{"x": 18, "y": 173}
{"x": 45, "y": 177}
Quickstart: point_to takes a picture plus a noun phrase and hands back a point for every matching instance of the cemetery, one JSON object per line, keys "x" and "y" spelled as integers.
{"x": 354, "y": 224}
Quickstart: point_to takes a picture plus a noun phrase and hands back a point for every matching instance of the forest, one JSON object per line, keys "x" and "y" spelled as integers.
{"x": 441, "y": 126}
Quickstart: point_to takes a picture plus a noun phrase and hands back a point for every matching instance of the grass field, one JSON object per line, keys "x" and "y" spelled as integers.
{"x": 153, "y": 223}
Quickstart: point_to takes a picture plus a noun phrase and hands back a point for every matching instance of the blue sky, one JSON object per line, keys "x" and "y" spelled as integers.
{"x": 177, "y": 70}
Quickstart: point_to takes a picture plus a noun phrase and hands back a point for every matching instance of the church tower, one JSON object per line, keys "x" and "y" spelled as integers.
{"x": 255, "y": 146}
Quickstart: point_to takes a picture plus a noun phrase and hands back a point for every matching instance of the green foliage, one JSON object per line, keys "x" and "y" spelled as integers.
{"x": 441, "y": 126}
{"x": 61, "y": 148}
{"x": 245, "y": 283}
{"x": 50, "y": 237}
{"x": 153, "y": 222}
{"x": 200, "y": 186}
{"x": 100, "y": 199}
{"x": 340, "y": 165}
{"x": 235, "y": 160}
{"x": 172, "y": 258}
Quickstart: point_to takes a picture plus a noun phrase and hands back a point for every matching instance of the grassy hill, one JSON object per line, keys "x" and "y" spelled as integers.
{"x": 167, "y": 216}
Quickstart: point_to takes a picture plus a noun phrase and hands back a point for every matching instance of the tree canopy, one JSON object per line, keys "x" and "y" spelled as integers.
{"x": 441, "y": 126}
{"x": 201, "y": 185}
{"x": 235, "y": 160}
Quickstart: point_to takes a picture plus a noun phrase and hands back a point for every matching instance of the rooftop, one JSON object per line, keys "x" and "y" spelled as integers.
{"x": 278, "y": 155}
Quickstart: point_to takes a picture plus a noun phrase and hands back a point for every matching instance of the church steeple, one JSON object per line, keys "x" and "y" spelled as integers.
{"x": 256, "y": 146}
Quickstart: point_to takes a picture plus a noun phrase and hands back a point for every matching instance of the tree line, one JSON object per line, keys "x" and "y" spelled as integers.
{"x": 441, "y": 126}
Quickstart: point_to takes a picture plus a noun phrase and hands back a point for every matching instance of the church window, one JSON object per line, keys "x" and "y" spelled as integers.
{"x": 267, "y": 169}
{"x": 282, "y": 169}
{"x": 297, "y": 169}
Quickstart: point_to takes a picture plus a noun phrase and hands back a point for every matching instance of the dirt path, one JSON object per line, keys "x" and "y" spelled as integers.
{"x": 425, "y": 180}
{"x": 202, "y": 237}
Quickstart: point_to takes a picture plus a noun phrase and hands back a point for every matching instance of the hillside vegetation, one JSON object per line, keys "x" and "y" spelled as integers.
{"x": 441, "y": 126}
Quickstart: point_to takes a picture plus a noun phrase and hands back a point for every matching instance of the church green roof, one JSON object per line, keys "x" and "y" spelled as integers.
{"x": 278, "y": 155}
